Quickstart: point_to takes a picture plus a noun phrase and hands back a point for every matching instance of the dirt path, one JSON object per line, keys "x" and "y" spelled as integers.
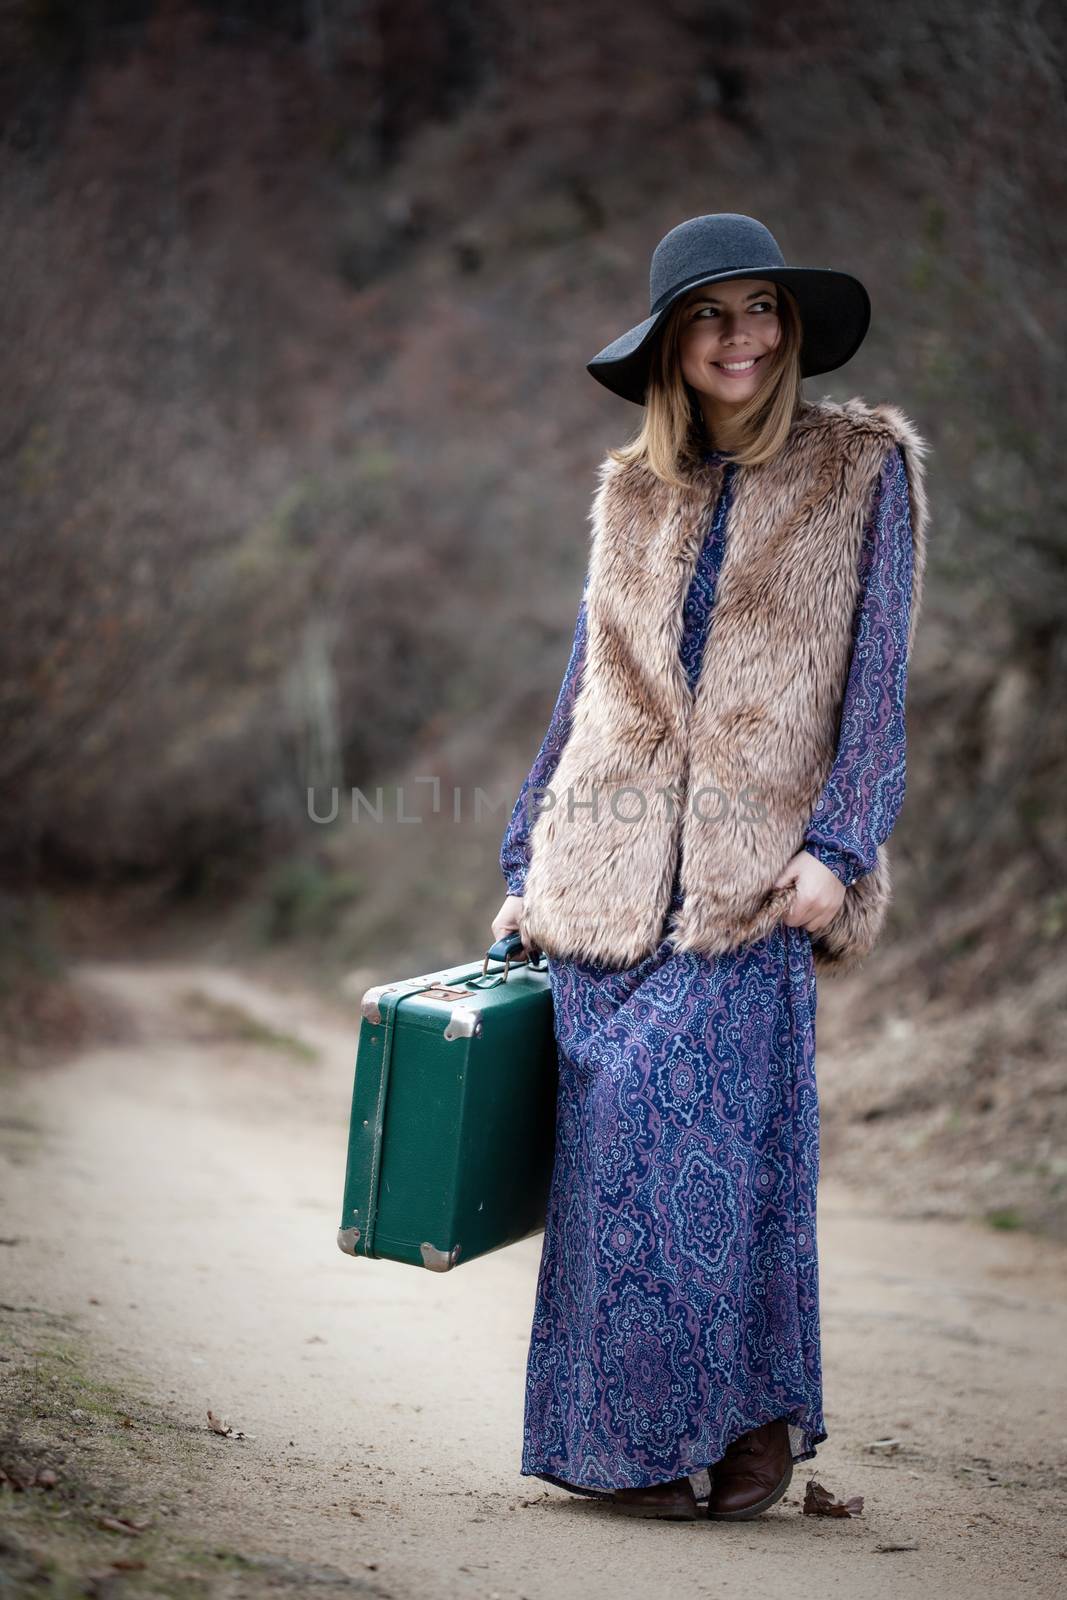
{"x": 177, "y": 1196}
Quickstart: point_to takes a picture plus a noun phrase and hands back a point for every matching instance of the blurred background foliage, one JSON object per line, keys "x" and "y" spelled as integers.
{"x": 297, "y": 448}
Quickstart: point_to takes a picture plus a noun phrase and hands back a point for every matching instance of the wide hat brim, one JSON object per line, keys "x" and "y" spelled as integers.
{"x": 835, "y": 310}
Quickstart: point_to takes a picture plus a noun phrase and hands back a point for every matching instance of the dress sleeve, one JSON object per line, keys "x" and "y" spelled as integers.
{"x": 515, "y": 848}
{"x": 863, "y": 794}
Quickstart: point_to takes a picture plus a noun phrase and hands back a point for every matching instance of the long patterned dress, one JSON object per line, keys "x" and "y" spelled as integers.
{"x": 677, "y": 1301}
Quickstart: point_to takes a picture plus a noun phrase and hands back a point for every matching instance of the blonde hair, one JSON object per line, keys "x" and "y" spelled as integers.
{"x": 672, "y": 435}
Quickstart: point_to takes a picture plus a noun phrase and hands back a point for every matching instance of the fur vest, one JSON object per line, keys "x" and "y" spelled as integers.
{"x": 726, "y": 776}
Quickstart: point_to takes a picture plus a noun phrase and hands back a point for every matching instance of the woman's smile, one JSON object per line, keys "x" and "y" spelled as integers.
{"x": 738, "y": 366}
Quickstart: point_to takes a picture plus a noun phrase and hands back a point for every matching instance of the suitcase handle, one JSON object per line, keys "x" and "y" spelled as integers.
{"x": 511, "y": 951}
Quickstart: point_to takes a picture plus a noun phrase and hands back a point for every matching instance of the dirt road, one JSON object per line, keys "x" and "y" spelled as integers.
{"x": 173, "y": 1199}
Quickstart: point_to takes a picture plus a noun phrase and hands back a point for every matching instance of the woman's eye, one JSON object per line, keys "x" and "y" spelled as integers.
{"x": 771, "y": 305}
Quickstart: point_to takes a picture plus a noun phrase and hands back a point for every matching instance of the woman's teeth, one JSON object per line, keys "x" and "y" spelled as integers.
{"x": 737, "y": 366}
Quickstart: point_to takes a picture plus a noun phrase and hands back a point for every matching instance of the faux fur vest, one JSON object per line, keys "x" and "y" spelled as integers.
{"x": 729, "y": 774}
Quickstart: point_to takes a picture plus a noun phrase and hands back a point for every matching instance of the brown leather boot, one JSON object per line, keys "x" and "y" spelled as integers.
{"x": 675, "y": 1501}
{"x": 753, "y": 1474}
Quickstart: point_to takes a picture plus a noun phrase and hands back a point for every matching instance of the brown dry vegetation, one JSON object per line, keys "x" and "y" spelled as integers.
{"x": 297, "y": 447}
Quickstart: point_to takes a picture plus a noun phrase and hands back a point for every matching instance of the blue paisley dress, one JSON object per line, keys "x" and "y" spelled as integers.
{"x": 677, "y": 1301}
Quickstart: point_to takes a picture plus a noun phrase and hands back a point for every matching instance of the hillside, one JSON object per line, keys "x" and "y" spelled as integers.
{"x": 298, "y": 446}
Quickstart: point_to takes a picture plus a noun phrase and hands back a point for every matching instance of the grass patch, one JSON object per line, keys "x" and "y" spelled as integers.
{"x": 87, "y": 1469}
{"x": 222, "y": 1020}
{"x": 1008, "y": 1219}
{"x": 303, "y": 900}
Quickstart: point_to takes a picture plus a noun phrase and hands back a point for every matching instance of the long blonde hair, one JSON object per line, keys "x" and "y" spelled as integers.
{"x": 672, "y": 434}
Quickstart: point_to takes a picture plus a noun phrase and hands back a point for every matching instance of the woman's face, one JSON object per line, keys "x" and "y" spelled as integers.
{"x": 727, "y": 333}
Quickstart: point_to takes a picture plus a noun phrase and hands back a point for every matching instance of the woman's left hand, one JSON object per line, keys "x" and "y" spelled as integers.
{"x": 819, "y": 893}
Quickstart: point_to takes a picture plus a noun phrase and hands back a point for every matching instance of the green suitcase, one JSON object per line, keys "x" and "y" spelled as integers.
{"x": 452, "y": 1131}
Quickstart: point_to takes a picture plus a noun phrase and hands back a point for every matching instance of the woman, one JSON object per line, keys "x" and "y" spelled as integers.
{"x": 739, "y": 666}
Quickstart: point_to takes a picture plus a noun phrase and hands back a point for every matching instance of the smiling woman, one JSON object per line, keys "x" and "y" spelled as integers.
{"x": 724, "y": 342}
{"x": 731, "y": 264}
{"x": 753, "y": 624}
{"x": 732, "y": 358}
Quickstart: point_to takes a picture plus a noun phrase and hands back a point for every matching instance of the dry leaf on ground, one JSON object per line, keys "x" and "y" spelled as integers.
{"x": 819, "y": 1502}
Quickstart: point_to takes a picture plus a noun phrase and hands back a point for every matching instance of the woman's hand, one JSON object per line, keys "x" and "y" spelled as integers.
{"x": 819, "y": 893}
{"x": 507, "y": 920}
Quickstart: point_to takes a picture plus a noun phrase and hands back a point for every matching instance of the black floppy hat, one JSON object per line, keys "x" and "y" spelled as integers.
{"x": 835, "y": 308}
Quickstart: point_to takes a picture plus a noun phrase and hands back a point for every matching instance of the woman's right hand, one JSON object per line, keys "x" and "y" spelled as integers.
{"x": 507, "y": 920}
